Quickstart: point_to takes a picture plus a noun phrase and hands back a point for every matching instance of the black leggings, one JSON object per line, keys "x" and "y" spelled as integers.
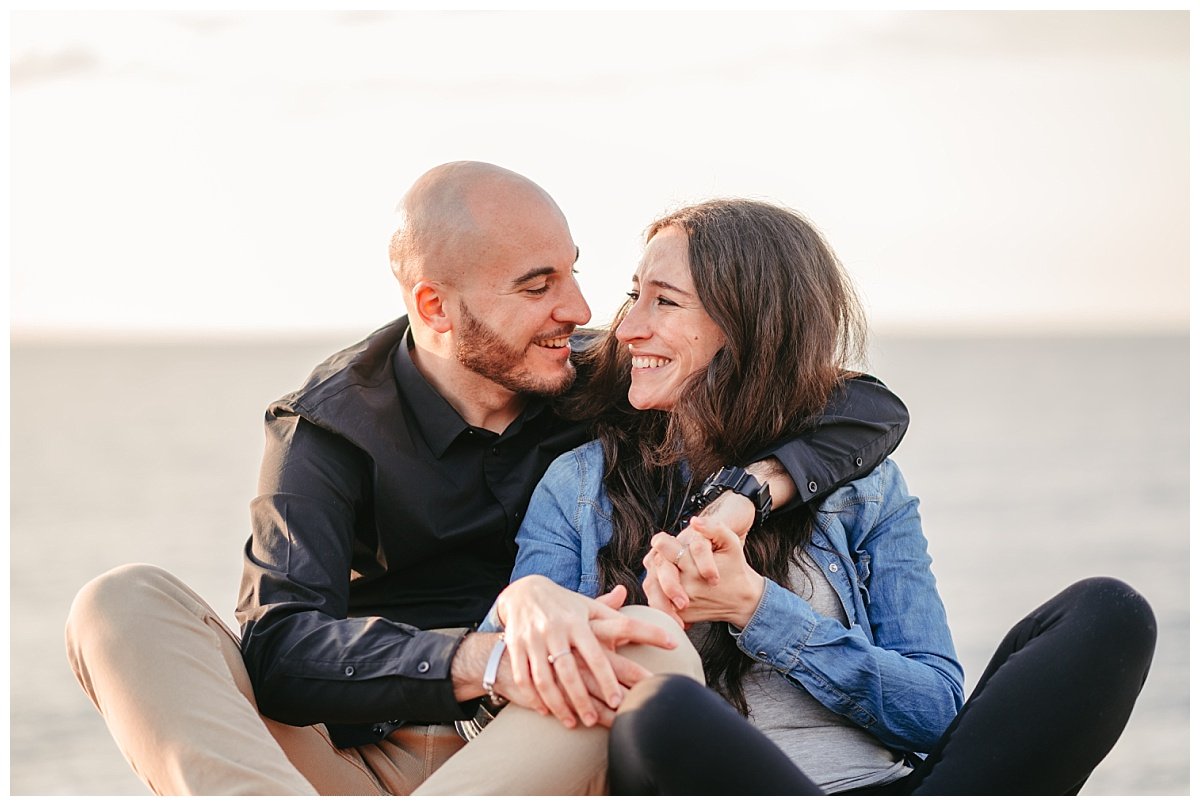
{"x": 1048, "y": 708}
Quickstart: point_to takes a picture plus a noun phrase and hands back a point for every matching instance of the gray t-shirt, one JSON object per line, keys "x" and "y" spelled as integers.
{"x": 831, "y": 750}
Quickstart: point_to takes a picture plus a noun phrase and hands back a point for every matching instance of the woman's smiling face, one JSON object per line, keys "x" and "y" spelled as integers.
{"x": 667, "y": 330}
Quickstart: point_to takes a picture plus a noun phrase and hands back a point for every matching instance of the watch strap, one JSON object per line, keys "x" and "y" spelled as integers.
{"x": 737, "y": 479}
{"x": 491, "y": 670}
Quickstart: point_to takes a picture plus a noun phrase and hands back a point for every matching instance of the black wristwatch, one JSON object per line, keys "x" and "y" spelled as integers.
{"x": 737, "y": 479}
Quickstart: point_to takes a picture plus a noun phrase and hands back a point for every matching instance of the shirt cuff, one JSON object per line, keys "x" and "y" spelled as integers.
{"x": 779, "y": 629}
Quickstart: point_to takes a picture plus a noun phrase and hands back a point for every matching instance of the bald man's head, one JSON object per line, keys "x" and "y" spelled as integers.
{"x": 456, "y": 214}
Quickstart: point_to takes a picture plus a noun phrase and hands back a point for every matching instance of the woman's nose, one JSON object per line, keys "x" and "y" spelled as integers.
{"x": 632, "y": 327}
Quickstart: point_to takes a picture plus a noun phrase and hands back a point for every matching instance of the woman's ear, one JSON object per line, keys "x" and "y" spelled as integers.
{"x": 430, "y": 305}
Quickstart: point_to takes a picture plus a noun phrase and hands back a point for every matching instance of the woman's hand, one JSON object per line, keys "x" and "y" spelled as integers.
{"x": 586, "y": 678}
{"x": 663, "y": 584}
{"x": 707, "y": 576}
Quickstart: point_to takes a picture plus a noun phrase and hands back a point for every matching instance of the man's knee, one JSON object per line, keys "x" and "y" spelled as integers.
{"x": 121, "y": 605}
{"x": 683, "y": 659}
{"x": 115, "y": 596}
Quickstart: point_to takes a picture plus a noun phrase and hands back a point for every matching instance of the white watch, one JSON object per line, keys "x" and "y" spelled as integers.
{"x": 489, "y": 673}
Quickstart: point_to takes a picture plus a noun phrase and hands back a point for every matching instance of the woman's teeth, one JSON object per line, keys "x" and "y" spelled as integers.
{"x": 649, "y": 362}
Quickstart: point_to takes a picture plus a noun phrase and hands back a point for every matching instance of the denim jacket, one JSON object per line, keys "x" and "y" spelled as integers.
{"x": 893, "y": 671}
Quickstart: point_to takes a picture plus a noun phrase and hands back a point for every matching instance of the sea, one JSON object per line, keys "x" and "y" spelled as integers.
{"x": 1039, "y": 460}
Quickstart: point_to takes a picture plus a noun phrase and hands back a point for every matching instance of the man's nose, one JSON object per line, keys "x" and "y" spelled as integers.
{"x": 573, "y": 307}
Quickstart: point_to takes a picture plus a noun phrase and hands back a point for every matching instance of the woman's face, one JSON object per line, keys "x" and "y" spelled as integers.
{"x": 667, "y": 330}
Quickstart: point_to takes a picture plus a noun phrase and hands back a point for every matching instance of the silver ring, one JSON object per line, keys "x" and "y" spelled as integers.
{"x": 679, "y": 556}
{"x": 553, "y": 656}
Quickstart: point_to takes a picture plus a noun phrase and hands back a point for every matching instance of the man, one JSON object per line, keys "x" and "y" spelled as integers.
{"x": 391, "y": 490}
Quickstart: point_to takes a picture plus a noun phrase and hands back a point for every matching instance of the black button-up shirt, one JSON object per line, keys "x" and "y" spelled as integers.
{"x": 384, "y": 528}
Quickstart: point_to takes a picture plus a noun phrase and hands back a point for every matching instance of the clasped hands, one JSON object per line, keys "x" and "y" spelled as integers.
{"x": 561, "y": 645}
{"x": 702, "y": 574}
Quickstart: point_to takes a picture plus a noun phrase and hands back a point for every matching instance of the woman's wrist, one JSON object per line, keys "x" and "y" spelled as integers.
{"x": 748, "y": 600}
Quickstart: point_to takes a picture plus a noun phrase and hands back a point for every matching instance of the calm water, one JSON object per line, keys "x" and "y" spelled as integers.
{"x": 1037, "y": 461}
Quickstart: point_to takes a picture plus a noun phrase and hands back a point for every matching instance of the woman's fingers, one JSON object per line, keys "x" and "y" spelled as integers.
{"x": 677, "y": 566}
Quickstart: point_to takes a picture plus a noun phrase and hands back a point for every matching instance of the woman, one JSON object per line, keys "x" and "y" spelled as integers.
{"x": 823, "y": 626}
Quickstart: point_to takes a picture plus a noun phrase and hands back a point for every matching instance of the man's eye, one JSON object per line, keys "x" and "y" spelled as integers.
{"x": 537, "y": 292}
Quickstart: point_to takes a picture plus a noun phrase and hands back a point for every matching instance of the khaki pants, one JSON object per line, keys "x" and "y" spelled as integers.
{"x": 167, "y": 675}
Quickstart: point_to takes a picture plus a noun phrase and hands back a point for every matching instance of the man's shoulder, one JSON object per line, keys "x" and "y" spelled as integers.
{"x": 347, "y": 374}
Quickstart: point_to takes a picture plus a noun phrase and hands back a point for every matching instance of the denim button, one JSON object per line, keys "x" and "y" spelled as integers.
{"x": 812, "y": 486}
{"x": 349, "y": 670}
{"x": 423, "y": 666}
{"x": 833, "y": 567}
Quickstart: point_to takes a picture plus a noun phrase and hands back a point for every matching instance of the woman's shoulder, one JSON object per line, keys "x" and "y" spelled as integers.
{"x": 575, "y": 481}
{"x": 582, "y": 467}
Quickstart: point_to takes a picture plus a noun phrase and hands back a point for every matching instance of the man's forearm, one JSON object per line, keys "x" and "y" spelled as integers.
{"x": 862, "y": 425}
{"x": 469, "y": 663}
{"x": 770, "y": 471}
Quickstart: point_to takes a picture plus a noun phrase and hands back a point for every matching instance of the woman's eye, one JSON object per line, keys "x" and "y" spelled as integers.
{"x": 664, "y": 301}
{"x": 633, "y": 295}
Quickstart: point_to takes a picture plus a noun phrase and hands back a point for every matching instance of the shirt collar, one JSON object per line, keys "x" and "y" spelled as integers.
{"x": 436, "y": 419}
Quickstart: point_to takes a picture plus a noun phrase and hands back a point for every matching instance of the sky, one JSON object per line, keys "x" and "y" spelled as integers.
{"x": 233, "y": 172}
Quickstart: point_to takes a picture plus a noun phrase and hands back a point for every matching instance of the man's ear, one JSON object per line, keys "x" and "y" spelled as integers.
{"x": 430, "y": 304}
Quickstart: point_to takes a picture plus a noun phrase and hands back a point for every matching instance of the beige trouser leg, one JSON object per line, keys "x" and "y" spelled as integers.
{"x": 525, "y": 753}
{"x": 167, "y": 675}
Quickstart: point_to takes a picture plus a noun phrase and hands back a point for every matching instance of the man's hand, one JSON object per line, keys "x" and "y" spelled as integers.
{"x": 587, "y": 679}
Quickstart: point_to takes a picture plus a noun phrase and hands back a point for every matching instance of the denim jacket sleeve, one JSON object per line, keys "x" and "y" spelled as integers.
{"x": 567, "y": 522}
{"x": 897, "y": 676}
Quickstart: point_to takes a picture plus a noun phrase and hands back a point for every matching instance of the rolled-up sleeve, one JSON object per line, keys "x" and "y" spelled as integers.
{"x": 861, "y": 426}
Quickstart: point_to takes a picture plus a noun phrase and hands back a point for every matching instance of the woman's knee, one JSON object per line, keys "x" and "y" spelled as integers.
{"x": 1117, "y": 619}
{"x": 1116, "y": 603}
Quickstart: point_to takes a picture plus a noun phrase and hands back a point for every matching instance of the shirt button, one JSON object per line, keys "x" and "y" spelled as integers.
{"x": 812, "y": 486}
{"x": 495, "y": 451}
{"x": 349, "y": 671}
{"x": 858, "y": 461}
{"x": 833, "y": 567}
{"x": 423, "y": 666}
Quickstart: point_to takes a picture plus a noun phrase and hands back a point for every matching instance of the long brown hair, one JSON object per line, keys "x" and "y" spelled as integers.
{"x": 791, "y": 322}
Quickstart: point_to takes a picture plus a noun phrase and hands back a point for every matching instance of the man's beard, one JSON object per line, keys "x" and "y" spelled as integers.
{"x": 484, "y": 352}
